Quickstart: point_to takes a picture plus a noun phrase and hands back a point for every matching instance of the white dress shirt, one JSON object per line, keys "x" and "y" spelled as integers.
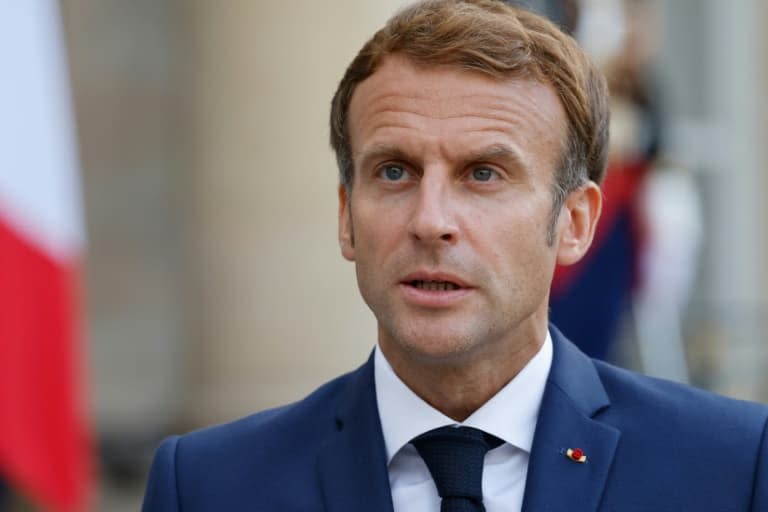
{"x": 509, "y": 415}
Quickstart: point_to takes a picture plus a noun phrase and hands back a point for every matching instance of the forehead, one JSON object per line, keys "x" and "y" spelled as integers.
{"x": 415, "y": 105}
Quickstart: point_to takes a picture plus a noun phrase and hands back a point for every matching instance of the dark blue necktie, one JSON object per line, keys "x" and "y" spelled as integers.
{"x": 454, "y": 456}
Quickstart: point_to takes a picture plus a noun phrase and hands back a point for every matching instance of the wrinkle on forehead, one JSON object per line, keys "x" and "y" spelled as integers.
{"x": 389, "y": 91}
{"x": 441, "y": 106}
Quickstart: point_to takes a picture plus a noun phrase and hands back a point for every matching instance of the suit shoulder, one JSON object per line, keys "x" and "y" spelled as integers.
{"x": 305, "y": 419}
{"x": 690, "y": 446}
{"x": 215, "y": 468}
{"x": 672, "y": 404}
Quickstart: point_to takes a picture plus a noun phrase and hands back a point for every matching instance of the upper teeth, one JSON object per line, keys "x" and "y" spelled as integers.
{"x": 435, "y": 285}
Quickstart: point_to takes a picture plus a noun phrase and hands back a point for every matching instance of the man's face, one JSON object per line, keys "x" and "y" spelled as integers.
{"x": 448, "y": 214}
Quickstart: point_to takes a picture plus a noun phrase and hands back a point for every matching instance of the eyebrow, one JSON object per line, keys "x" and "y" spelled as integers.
{"x": 497, "y": 152}
{"x": 384, "y": 151}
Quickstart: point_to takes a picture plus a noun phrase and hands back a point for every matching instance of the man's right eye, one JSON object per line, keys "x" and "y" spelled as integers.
{"x": 393, "y": 172}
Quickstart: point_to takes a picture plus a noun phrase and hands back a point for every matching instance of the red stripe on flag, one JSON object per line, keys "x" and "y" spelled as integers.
{"x": 45, "y": 445}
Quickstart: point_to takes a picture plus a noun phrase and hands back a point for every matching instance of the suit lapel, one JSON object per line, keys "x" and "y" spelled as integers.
{"x": 574, "y": 396}
{"x": 353, "y": 465}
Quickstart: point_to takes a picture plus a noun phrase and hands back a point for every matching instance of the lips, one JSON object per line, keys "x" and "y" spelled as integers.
{"x": 423, "y": 278}
{"x": 434, "y": 290}
{"x": 434, "y": 281}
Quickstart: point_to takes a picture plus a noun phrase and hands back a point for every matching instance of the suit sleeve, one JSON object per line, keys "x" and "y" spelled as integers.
{"x": 162, "y": 491}
{"x": 760, "y": 491}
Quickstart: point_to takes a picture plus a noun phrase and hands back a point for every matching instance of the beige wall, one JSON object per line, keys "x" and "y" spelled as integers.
{"x": 280, "y": 312}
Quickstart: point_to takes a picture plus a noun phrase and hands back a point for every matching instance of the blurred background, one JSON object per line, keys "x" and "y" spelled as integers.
{"x": 210, "y": 283}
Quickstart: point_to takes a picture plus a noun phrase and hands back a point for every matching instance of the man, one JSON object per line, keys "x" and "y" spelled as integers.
{"x": 470, "y": 138}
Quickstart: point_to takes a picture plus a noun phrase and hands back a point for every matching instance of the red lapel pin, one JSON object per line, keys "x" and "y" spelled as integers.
{"x": 576, "y": 455}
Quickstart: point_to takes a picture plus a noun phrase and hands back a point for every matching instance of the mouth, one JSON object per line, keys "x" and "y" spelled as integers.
{"x": 433, "y": 286}
{"x": 434, "y": 289}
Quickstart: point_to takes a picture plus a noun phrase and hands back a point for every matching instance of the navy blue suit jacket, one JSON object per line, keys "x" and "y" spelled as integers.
{"x": 651, "y": 445}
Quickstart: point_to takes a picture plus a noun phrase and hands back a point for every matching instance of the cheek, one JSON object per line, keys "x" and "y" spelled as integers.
{"x": 522, "y": 217}
{"x": 377, "y": 225}
{"x": 518, "y": 241}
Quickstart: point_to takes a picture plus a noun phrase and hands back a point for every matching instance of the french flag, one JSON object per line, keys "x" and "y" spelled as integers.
{"x": 45, "y": 439}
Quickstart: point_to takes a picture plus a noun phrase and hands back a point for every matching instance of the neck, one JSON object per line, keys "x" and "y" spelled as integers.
{"x": 458, "y": 385}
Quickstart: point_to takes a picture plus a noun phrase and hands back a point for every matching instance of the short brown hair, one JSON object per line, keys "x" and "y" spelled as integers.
{"x": 505, "y": 42}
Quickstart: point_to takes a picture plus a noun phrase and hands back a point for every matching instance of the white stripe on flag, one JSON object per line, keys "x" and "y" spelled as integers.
{"x": 39, "y": 189}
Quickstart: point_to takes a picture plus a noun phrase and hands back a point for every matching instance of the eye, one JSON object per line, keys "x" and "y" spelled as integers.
{"x": 483, "y": 174}
{"x": 393, "y": 172}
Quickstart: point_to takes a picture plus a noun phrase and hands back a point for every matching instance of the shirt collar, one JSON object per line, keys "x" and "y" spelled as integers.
{"x": 509, "y": 415}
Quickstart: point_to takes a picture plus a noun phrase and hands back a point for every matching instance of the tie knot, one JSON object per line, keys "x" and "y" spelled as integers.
{"x": 454, "y": 456}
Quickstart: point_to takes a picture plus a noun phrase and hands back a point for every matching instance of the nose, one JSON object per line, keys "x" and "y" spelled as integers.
{"x": 433, "y": 216}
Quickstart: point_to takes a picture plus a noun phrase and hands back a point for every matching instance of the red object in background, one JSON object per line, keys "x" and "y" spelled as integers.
{"x": 589, "y": 299}
{"x": 621, "y": 189}
{"x": 45, "y": 448}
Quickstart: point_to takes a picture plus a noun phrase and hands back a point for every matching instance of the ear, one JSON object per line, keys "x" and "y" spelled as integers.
{"x": 577, "y": 223}
{"x": 346, "y": 235}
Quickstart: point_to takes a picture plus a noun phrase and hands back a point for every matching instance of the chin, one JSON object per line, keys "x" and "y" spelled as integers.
{"x": 430, "y": 346}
